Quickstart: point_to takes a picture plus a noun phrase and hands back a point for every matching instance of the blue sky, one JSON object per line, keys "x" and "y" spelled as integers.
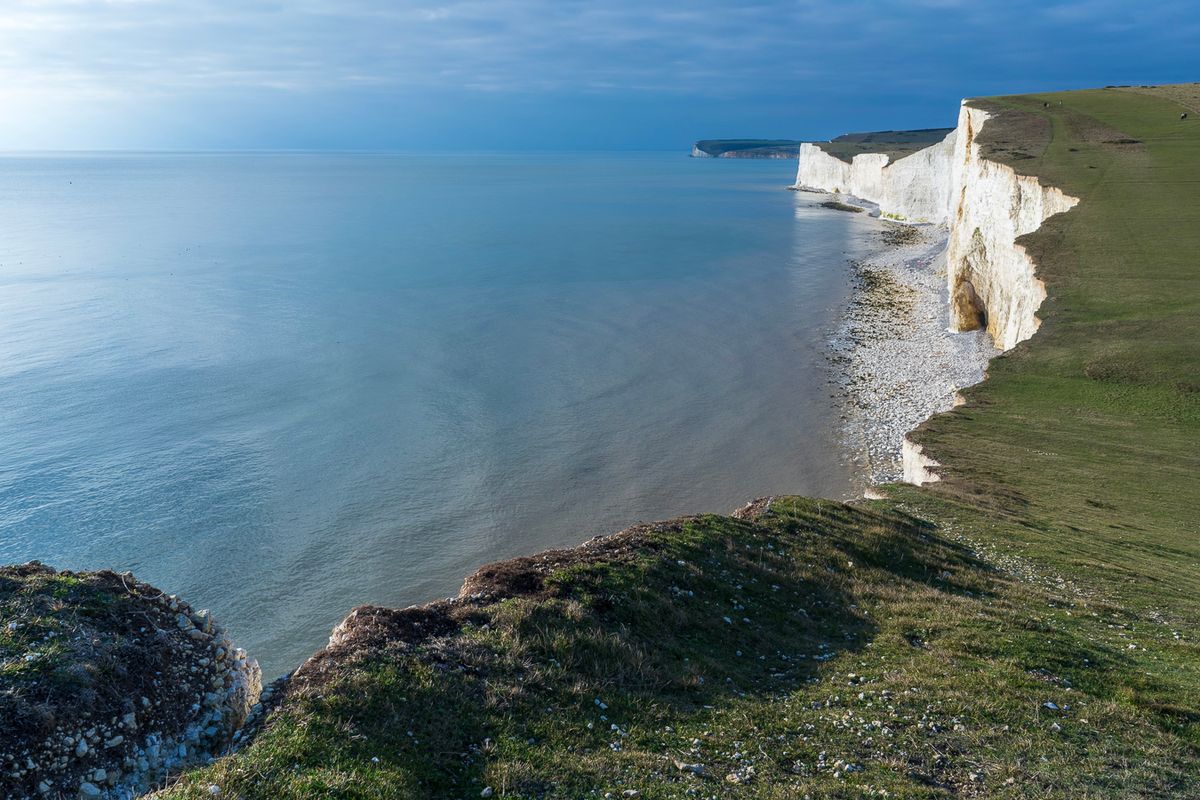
{"x": 547, "y": 74}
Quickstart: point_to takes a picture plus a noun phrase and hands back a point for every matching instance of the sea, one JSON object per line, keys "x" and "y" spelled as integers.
{"x": 281, "y": 385}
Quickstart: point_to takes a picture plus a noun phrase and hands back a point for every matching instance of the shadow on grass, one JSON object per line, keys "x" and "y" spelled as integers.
{"x": 570, "y": 655}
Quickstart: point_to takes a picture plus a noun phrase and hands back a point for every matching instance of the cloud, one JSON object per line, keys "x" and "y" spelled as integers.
{"x": 144, "y": 45}
{"x": 719, "y": 51}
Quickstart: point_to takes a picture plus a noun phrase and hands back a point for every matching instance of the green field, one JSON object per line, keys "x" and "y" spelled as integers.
{"x": 893, "y": 144}
{"x": 1085, "y": 440}
{"x": 750, "y": 148}
{"x": 1025, "y": 628}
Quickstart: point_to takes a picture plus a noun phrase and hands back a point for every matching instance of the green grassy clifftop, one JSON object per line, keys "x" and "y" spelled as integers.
{"x": 896, "y": 144}
{"x": 746, "y": 148}
{"x": 809, "y": 648}
{"x": 1086, "y": 439}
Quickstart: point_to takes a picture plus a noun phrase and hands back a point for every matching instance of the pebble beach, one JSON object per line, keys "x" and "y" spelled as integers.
{"x": 896, "y": 361}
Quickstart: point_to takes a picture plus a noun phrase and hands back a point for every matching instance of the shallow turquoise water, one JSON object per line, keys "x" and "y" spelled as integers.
{"x": 283, "y": 385}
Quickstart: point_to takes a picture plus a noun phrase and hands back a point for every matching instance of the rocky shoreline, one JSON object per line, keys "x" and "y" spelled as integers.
{"x": 896, "y": 360}
{"x": 112, "y": 686}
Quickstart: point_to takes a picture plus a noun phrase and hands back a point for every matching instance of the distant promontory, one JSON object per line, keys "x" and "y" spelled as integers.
{"x": 845, "y": 147}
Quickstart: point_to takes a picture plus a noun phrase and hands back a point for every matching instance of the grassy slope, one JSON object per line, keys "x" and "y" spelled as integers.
{"x": 1086, "y": 439}
{"x": 1059, "y": 566}
{"x": 764, "y": 147}
{"x": 894, "y": 144}
{"x": 926, "y": 136}
{"x": 846, "y": 151}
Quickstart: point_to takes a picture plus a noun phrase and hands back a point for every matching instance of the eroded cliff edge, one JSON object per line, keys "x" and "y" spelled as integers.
{"x": 991, "y": 280}
{"x": 109, "y": 686}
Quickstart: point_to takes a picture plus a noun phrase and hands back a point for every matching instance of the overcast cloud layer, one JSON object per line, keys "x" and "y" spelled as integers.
{"x": 545, "y": 73}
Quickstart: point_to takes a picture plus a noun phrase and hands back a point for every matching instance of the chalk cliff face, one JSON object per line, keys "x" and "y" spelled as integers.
{"x": 915, "y": 188}
{"x": 991, "y": 278}
{"x": 918, "y": 467}
{"x": 986, "y": 206}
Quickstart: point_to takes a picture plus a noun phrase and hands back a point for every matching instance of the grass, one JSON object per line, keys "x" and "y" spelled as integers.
{"x": 760, "y": 147}
{"x": 894, "y": 144}
{"x": 1025, "y": 628}
{"x": 822, "y": 649}
{"x": 39, "y": 614}
{"x": 1084, "y": 440}
{"x": 846, "y": 151}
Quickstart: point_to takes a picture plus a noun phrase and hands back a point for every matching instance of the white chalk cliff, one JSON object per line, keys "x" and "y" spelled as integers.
{"x": 992, "y": 279}
{"x": 916, "y": 188}
{"x": 986, "y": 206}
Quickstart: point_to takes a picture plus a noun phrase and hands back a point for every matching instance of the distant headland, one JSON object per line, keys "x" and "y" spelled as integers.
{"x": 845, "y": 147}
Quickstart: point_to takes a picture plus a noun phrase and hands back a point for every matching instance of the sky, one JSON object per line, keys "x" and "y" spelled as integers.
{"x": 547, "y": 74}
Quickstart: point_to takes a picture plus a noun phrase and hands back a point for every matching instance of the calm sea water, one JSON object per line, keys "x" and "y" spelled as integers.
{"x": 283, "y": 385}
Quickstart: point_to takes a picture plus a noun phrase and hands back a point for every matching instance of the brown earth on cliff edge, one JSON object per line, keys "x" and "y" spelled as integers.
{"x": 91, "y": 664}
{"x": 371, "y": 629}
{"x": 368, "y": 631}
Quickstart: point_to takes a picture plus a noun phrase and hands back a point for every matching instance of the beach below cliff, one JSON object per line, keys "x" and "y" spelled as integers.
{"x": 897, "y": 361}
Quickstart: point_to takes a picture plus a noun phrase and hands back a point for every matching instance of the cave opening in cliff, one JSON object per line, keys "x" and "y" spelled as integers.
{"x": 970, "y": 313}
